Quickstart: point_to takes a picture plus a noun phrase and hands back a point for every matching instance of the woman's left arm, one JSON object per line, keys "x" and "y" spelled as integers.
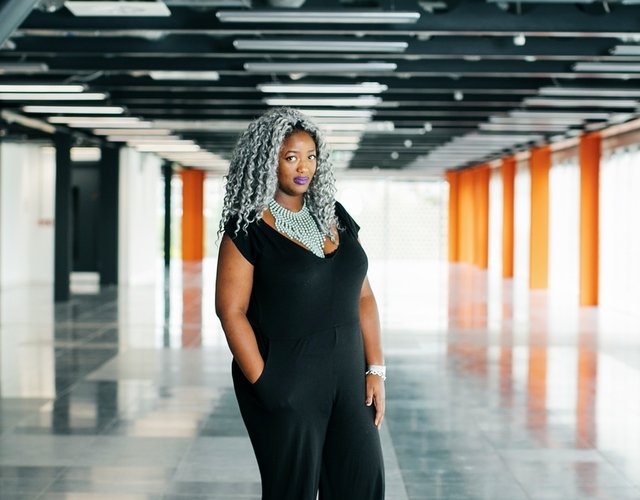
{"x": 370, "y": 326}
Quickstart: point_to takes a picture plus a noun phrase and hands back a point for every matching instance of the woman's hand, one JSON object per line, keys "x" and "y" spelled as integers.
{"x": 375, "y": 395}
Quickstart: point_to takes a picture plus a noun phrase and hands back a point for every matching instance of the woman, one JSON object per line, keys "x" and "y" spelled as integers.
{"x": 300, "y": 317}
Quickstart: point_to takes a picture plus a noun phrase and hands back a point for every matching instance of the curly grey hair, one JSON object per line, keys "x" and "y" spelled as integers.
{"x": 252, "y": 179}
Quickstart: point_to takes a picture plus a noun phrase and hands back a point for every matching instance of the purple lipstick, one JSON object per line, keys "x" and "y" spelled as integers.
{"x": 301, "y": 181}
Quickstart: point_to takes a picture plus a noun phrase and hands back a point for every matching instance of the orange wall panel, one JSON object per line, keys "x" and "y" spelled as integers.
{"x": 589, "y": 156}
{"x": 192, "y": 215}
{"x": 508, "y": 210}
{"x": 540, "y": 164}
{"x": 481, "y": 179}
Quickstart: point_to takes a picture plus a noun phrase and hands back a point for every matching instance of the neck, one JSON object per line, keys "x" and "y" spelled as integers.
{"x": 292, "y": 203}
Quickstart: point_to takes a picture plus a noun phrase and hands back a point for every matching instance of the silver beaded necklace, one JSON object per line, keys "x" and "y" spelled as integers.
{"x": 299, "y": 226}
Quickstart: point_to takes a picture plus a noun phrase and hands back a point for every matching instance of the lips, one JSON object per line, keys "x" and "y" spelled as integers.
{"x": 301, "y": 181}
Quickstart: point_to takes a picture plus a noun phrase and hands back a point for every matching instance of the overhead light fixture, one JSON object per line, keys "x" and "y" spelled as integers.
{"x": 357, "y": 88}
{"x": 324, "y": 68}
{"x": 316, "y": 17}
{"x": 137, "y": 133}
{"x": 587, "y": 92}
{"x": 167, "y": 148}
{"x": 513, "y": 127}
{"x": 41, "y": 88}
{"x": 504, "y": 120}
{"x": 339, "y": 113}
{"x": 428, "y": 127}
{"x": 203, "y": 125}
{"x": 519, "y": 40}
{"x": 141, "y": 139}
{"x": 185, "y": 75}
{"x": 81, "y": 110}
{"x": 560, "y": 114}
{"x": 57, "y": 96}
{"x": 363, "y": 101}
{"x": 85, "y": 154}
{"x": 19, "y": 68}
{"x": 25, "y": 121}
{"x": 607, "y": 66}
{"x": 101, "y": 122}
{"x": 580, "y": 103}
{"x": 117, "y": 9}
{"x": 320, "y": 46}
{"x": 626, "y": 50}
{"x": 358, "y": 127}
{"x": 458, "y": 95}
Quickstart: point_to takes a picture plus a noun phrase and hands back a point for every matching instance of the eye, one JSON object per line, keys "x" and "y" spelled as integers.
{"x": 312, "y": 157}
{"x": 291, "y": 157}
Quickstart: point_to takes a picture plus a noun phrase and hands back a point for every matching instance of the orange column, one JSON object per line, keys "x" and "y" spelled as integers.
{"x": 540, "y": 163}
{"x": 466, "y": 219}
{"x": 589, "y": 153}
{"x": 508, "y": 198}
{"x": 454, "y": 253}
{"x": 481, "y": 176}
{"x": 192, "y": 215}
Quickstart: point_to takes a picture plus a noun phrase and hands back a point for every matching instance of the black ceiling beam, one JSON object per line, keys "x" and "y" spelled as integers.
{"x": 467, "y": 17}
{"x": 212, "y": 47}
{"x": 12, "y": 15}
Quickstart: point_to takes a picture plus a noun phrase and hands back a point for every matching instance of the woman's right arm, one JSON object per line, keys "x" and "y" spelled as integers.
{"x": 234, "y": 282}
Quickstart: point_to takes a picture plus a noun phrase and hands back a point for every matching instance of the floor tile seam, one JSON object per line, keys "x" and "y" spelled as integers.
{"x": 505, "y": 463}
{"x": 623, "y": 475}
{"x": 53, "y": 481}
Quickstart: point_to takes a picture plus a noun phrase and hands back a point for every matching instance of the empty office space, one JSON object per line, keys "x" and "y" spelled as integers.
{"x": 484, "y": 157}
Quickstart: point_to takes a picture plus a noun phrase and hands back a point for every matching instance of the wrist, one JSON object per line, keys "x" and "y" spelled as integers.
{"x": 378, "y": 370}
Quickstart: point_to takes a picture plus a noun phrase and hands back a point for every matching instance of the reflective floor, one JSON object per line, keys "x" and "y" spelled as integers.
{"x": 493, "y": 393}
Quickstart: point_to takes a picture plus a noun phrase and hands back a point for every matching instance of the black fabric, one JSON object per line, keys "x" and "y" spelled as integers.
{"x": 305, "y": 415}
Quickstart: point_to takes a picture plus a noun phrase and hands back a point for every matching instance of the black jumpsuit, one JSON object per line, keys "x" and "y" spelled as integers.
{"x": 305, "y": 415}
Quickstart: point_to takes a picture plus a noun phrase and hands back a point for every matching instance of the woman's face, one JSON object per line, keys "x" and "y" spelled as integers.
{"x": 296, "y": 163}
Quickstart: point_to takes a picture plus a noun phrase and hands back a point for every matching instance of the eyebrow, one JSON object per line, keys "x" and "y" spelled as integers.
{"x": 297, "y": 151}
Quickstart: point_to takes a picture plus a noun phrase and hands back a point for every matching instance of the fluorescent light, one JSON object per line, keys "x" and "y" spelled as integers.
{"x": 18, "y": 68}
{"x": 203, "y": 125}
{"x": 320, "y": 46}
{"x": 85, "y": 154}
{"x": 148, "y": 139}
{"x": 58, "y": 96}
{"x": 167, "y": 148}
{"x": 99, "y": 110}
{"x": 316, "y": 17}
{"x": 560, "y": 114}
{"x": 353, "y": 127}
{"x": 310, "y": 67}
{"x": 117, "y": 9}
{"x": 41, "y": 88}
{"x": 603, "y": 66}
{"x": 358, "y": 88}
{"x": 626, "y": 50}
{"x": 580, "y": 103}
{"x": 25, "y": 121}
{"x": 587, "y": 92}
{"x": 535, "y": 121}
{"x": 185, "y": 75}
{"x": 339, "y": 113}
{"x": 531, "y": 127}
{"x": 99, "y": 119}
{"x": 137, "y": 133}
{"x": 364, "y": 101}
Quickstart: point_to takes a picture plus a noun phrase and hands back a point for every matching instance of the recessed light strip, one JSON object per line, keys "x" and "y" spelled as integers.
{"x": 325, "y": 68}
{"x": 364, "y": 101}
{"x": 359, "y": 88}
{"x": 81, "y": 110}
{"x": 316, "y": 17}
{"x": 41, "y": 88}
{"x": 320, "y": 46}
{"x": 57, "y": 96}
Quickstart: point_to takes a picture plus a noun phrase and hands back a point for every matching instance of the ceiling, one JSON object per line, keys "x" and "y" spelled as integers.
{"x": 422, "y": 85}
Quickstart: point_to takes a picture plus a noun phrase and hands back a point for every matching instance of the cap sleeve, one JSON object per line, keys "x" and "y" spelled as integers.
{"x": 244, "y": 241}
{"x": 348, "y": 222}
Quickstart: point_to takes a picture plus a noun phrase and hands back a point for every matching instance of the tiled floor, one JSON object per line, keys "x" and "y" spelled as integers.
{"x": 493, "y": 393}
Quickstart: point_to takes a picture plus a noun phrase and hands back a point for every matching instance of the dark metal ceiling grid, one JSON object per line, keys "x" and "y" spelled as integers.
{"x": 459, "y": 82}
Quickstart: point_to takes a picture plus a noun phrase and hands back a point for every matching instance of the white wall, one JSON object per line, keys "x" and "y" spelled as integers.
{"x": 619, "y": 232}
{"x": 27, "y": 190}
{"x": 139, "y": 247}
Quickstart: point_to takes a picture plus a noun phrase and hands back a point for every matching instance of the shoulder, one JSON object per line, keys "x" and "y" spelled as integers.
{"x": 243, "y": 236}
{"x": 345, "y": 218}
